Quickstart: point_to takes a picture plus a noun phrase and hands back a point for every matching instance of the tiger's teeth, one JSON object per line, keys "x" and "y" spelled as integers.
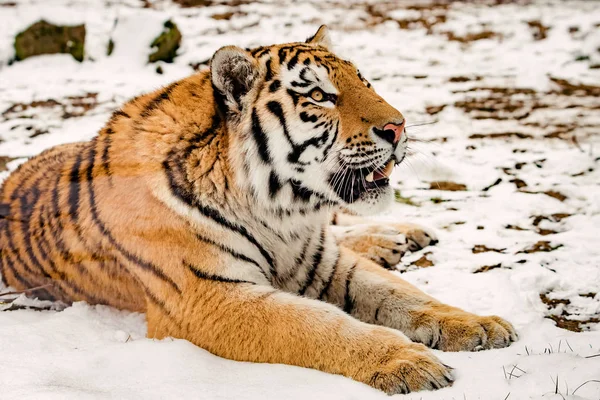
{"x": 369, "y": 178}
{"x": 388, "y": 169}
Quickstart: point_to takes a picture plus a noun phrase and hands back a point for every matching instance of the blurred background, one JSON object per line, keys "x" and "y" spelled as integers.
{"x": 502, "y": 100}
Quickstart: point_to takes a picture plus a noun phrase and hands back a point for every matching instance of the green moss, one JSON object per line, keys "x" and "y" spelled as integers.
{"x": 166, "y": 44}
{"x": 45, "y": 38}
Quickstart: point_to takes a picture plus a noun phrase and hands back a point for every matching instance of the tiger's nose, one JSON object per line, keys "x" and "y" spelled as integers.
{"x": 391, "y": 132}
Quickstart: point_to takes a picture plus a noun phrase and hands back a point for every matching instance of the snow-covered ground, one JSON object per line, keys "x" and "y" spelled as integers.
{"x": 511, "y": 92}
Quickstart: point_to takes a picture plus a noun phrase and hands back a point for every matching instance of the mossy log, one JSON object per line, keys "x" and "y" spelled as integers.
{"x": 46, "y": 38}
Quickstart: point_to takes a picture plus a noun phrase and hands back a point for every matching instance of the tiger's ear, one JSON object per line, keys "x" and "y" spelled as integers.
{"x": 320, "y": 38}
{"x": 233, "y": 73}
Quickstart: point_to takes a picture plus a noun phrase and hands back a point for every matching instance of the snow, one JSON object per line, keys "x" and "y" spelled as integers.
{"x": 97, "y": 352}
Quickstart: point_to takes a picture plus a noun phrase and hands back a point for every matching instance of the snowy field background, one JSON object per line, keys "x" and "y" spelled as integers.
{"x": 507, "y": 173}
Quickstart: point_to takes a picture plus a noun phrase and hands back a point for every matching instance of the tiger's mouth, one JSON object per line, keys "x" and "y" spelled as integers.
{"x": 351, "y": 184}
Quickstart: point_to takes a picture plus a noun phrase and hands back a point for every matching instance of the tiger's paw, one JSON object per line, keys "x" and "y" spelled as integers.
{"x": 410, "y": 369}
{"x": 451, "y": 329}
{"x": 385, "y": 244}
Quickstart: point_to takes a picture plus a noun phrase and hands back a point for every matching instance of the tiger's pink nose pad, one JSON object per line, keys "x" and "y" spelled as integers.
{"x": 397, "y": 129}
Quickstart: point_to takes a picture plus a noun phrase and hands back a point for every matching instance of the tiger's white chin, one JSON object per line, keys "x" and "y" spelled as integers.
{"x": 371, "y": 202}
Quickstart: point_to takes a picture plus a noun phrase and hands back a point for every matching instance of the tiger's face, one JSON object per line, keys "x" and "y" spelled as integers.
{"x": 311, "y": 128}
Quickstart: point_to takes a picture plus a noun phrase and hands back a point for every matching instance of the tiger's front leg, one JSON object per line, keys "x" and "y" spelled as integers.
{"x": 247, "y": 321}
{"x": 383, "y": 243}
{"x": 376, "y": 296}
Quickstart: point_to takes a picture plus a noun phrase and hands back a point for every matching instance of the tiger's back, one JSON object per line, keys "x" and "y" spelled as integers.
{"x": 46, "y": 246}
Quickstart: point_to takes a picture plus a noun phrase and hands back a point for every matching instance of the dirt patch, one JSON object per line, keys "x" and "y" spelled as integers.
{"x": 519, "y": 183}
{"x": 472, "y": 37}
{"x": 194, "y": 3}
{"x": 423, "y": 262}
{"x": 538, "y": 30}
{"x": 564, "y": 319}
{"x": 541, "y": 246}
{"x": 69, "y": 107}
{"x": 459, "y": 79}
{"x": 567, "y": 88}
{"x": 552, "y": 218}
{"x": 487, "y": 268}
{"x": 500, "y": 135}
{"x": 481, "y": 248}
{"x": 432, "y": 110}
{"x": 553, "y": 302}
{"x": 557, "y": 195}
{"x": 3, "y": 161}
{"x": 448, "y": 186}
{"x": 227, "y": 15}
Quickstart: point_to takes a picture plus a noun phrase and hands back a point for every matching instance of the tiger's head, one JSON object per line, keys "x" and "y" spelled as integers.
{"x": 307, "y": 126}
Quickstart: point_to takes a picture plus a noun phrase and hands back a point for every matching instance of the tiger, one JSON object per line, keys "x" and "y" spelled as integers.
{"x": 210, "y": 205}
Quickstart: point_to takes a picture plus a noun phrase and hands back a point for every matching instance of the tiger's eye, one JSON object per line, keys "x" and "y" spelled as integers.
{"x": 317, "y": 95}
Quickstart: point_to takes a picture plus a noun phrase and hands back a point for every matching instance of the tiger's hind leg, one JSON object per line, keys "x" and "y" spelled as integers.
{"x": 383, "y": 243}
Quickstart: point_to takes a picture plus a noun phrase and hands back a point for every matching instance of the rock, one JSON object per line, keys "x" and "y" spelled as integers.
{"x": 46, "y": 38}
{"x": 166, "y": 44}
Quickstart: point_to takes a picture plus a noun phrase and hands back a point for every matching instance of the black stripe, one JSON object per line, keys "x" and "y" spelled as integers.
{"x": 165, "y": 94}
{"x": 330, "y": 145}
{"x": 105, "y": 153}
{"x": 301, "y": 84}
{"x": 305, "y": 117}
{"x": 259, "y": 51}
{"x": 148, "y": 266}
{"x": 327, "y": 284}
{"x": 269, "y": 75}
{"x": 117, "y": 114}
{"x": 4, "y": 210}
{"x": 160, "y": 303}
{"x": 348, "y": 302}
{"x": 218, "y": 278}
{"x": 74, "y": 186}
{"x": 298, "y": 262}
{"x": 334, "y": 219}
{"x": 232, "y": 253}
{"x": 317, "y": 257}
{"x": 2, "y": 268}
{"x": 218, "y": 218}
{"x": 294, "y": 95}
{"x": 188, "y": 197}
{"x": 293, "y": 61}
{"x": 260, "y": 138}
{"x": 23, "y": 219}
{"x": 274, "y": 184}
{"x": 55, "y": 232}
{"x": 27, "y": 209}
{"x": 276, "y": 84}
